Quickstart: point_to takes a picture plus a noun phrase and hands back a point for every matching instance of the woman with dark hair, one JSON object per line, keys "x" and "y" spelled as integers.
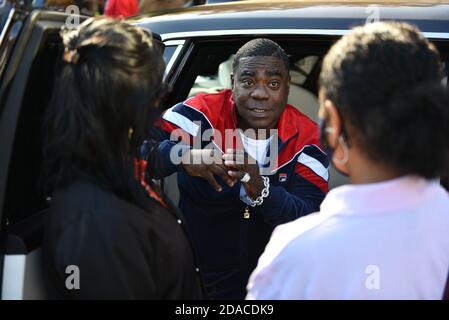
{"x": 385, "y": 123}
{"x": 107, "y": 235}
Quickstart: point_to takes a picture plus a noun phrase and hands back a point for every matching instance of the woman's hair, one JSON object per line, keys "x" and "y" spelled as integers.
{"x": 385, "y": 81}
{"x": 103, "y": 104}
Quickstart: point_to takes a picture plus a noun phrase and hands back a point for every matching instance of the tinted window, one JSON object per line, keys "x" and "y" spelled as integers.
{"x": 168, "y": 53}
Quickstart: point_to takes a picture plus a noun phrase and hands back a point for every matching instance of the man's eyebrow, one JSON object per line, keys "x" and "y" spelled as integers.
{"x": 275, "y": 72}
{"x": 247, "y": 73}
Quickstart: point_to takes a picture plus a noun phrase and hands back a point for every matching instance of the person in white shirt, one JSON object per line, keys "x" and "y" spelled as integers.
{"x": 385, "y": 116}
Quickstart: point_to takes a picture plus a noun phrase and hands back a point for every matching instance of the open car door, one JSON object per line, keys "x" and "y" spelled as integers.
{"x": 30, "y": 46}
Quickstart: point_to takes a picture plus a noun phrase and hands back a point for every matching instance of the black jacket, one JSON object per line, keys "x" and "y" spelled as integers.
{"x": 121, "y": 250}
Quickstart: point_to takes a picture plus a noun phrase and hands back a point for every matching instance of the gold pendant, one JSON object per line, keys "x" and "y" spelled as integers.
{"x": 246, "y": 213}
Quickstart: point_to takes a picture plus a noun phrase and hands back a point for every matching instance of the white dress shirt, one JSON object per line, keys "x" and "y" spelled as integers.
{"x": 387, "y": 240}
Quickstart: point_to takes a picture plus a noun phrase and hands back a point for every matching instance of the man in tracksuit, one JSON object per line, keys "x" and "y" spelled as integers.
{"x": 257, "y": 180}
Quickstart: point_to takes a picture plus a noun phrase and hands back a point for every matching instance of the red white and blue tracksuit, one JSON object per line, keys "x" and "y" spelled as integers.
{"x": 228, "y": 245}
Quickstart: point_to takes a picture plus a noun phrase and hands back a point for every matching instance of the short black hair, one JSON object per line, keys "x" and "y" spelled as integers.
{"x": 260, "y": 47}
{"x": 385, "y": 81}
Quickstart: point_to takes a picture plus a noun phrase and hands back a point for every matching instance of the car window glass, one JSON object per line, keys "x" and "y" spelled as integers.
{"x": 25, "y": 178}
{"x": 304, "y": 99}
{"x": 208, "y": 69}
{"x": 5, "y": 9}
{"x": 209, "y": 66}
{"x": 211, "y": 83}
{"x": 168, "y": 53}
{"x": 300, "y": 70}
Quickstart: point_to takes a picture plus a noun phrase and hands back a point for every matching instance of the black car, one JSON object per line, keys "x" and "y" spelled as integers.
{"x": 199, "y": 42}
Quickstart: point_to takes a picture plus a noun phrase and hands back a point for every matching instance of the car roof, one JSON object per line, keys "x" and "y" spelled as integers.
{"x": 318, "y": 16}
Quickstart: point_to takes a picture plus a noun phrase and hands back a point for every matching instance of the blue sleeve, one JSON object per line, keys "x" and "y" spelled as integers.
{"x": 162, "y": 155}
{"x": 282, "y": 205}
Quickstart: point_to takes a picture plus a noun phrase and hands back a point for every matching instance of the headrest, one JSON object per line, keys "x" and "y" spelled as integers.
{"x": 225, "y": 71}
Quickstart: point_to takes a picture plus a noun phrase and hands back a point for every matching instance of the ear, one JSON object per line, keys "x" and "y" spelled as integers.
{"x": 333, "y": 121}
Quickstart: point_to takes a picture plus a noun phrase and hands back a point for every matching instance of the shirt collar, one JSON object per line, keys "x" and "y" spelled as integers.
{"x": 286, "y": 128}
{"x": 380, "y": 197}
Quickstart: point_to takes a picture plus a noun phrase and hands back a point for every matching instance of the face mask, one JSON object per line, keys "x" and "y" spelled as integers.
{"x": 327, "y": 148}
{"x": 323, "y": 131}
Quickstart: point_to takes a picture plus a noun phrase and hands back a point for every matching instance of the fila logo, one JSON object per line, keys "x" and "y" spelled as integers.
{"x": 282, "y": 177}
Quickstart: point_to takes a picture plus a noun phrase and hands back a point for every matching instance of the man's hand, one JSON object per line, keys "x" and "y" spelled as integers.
{"x": 205, "y": 164}
{"x": 241, "y": 163}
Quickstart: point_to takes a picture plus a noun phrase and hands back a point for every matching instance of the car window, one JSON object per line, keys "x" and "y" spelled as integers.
{"x": 301, "y": 69}
{"x": 303, "y": 99}
{"x": 25, "y": 178}
{"x": 208, "y": 66}
{"x": 171, "y": 53}
{"x": 303, "y": 96}
{"x": 208, "y": 70}
{"x": 5, "y": 11}
{"x": 210, "y": 83}
{"x": 168, "y": 53}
